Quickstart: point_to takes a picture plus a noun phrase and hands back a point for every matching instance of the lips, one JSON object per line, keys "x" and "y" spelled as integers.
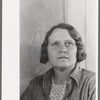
{"x": 62, "y": 58}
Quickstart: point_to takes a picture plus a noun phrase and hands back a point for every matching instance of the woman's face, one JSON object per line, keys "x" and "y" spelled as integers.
{"x": 61, "y": 49}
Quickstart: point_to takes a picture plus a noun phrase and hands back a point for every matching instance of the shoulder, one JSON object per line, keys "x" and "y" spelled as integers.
{"x": 89, "y": 77}
{"x": 37, "y": 80}
{"x": 33, "y": 88}
{"x": 90, "y": 83}
{"x": 88, "y": 74}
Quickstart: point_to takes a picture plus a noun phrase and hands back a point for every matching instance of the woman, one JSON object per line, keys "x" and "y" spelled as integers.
{"x": 66, "y": 80}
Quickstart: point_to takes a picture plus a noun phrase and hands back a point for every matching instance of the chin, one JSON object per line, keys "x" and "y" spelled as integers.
{"x": 64, "y": 65}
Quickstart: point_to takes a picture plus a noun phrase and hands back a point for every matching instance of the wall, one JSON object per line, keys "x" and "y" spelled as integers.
{"x": 38, "y": 16}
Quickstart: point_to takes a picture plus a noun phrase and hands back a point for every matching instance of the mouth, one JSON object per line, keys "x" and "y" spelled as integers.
{"x": 62, "y": 58}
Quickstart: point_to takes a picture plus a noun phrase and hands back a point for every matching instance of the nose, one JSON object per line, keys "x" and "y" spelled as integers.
{"x": 63, "y": 49}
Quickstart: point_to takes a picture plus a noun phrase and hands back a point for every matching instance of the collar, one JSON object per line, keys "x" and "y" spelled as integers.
{"x": 47, "y": 78}
{"x": 47, "y": 81}
{"x": 76, "y": 74}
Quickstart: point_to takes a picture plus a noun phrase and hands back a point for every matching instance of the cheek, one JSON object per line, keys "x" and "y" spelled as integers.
{"x": 51, "y": 51}
{"x": 73, "y": 54}
{"x": 52, "y": 54}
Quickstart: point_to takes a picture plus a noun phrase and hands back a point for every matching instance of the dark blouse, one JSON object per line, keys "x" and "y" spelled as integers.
{"x": 83, "y": 86}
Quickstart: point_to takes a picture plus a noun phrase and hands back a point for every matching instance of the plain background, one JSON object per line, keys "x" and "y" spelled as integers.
{"x": 38, "y": 16}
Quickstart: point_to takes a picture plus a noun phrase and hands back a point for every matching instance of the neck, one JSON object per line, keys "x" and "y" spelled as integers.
{"x": 62, "y": 74}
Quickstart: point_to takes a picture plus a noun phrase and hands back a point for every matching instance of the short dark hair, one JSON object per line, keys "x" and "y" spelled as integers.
{"x": 81, "y": 54}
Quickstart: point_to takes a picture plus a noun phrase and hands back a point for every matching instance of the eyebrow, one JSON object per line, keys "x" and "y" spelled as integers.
{"x": 64, "y": 41}
{"x": 53, "y": 41}
{"x": 70, "y": 41}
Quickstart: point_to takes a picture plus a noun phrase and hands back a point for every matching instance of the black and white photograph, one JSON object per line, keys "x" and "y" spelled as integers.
{"x": 58, "y": 49}
{"x": 55, "y": 51}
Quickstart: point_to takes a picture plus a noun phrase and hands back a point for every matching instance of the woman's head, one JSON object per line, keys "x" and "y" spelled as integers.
{"x": 62, "y": 41}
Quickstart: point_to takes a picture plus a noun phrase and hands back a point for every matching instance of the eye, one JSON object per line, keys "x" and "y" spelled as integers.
{"x": 68, "y": 44}
{"x": 55, "y": 44}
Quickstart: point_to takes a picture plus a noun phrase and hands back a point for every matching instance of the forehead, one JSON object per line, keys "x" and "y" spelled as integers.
{"x": 60, "y": 35}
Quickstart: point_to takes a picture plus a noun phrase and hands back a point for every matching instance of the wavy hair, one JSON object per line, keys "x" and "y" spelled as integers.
{"x": 81, "y": 54}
